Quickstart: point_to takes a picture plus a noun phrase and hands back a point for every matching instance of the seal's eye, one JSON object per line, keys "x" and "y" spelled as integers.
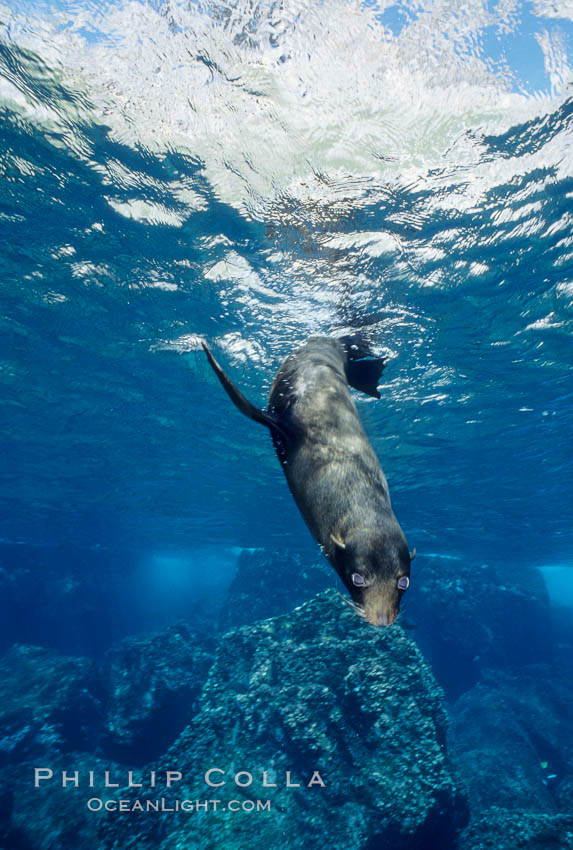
{"x": 358, "y": 580}
{"x": 403, "y": 583}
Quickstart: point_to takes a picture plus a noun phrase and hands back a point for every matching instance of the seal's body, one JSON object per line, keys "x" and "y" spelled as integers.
{"x": 332, "y": 470}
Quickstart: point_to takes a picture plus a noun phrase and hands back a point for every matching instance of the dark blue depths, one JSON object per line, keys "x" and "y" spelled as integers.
{"x": 133, "y": 495}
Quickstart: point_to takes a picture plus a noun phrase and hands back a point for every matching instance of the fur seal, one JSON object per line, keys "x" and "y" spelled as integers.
{"x": 331, "y": 468}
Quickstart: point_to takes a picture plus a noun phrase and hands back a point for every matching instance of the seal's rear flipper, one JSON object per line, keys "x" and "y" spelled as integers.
{"x": 239, "y": 399}
{"x": 362, "y": 374}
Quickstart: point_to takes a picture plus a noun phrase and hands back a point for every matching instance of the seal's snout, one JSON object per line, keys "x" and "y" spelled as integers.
{"x": 384, "y": 619}
{"x": 380, "y": 616}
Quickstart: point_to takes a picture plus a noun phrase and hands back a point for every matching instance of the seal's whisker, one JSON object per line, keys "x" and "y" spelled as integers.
{"x": 358, "y": 609}
{"x": 345, "y": 599}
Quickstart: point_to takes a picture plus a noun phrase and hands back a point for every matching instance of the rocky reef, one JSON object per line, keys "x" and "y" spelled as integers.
{"x": 500, "y": 829}
{"x": 269, "y": 583}
{"x": 51, "y": 817}
{"x": 50, "y": 704}
{"x": 511, "y": 738}
{"x": 314, "y": 690}
{"x": 73, "y": 714}
{"x": 152, "y": 686}
{"x": 51, "y": 713}
{"x": 471, "y": 617}
{"x": 343, "y": 728}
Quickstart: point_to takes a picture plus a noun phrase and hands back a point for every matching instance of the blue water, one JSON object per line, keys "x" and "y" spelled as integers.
{"x": 172, "y": 174}
{"x": 112, "y": 438}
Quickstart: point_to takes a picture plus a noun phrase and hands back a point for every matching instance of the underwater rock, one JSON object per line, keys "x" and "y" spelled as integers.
{"x": 51, "y": 703}
{"x": 50, "y": 816}
{"x": 6, "y": 809}
{"x": 512, "y": 740}
{"x": 270, "y": 583}
{"x": 470, "y": 618}
{"x": 498, "y": 829}
{"x": 315, "y": 690}
{"x": 153, "y": 685}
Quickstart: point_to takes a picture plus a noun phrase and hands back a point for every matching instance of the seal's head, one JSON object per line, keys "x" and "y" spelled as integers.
{"x": 376, "y": 572}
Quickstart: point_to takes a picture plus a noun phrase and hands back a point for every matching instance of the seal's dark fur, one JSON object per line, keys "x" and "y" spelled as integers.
{"x": 331, "y": 468}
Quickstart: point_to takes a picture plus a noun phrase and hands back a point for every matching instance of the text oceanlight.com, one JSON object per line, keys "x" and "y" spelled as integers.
{"x": 97, "y": 804}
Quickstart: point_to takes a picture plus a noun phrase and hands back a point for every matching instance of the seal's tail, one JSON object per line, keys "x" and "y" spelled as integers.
{"x": 361, "y": 373}
{"x": 239, "y": 399}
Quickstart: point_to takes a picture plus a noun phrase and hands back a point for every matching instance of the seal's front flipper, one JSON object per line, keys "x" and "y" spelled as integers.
{"x": 361, "y": 373}
{"x": 364, "y": 375}
{"x": 239, "y": 399}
